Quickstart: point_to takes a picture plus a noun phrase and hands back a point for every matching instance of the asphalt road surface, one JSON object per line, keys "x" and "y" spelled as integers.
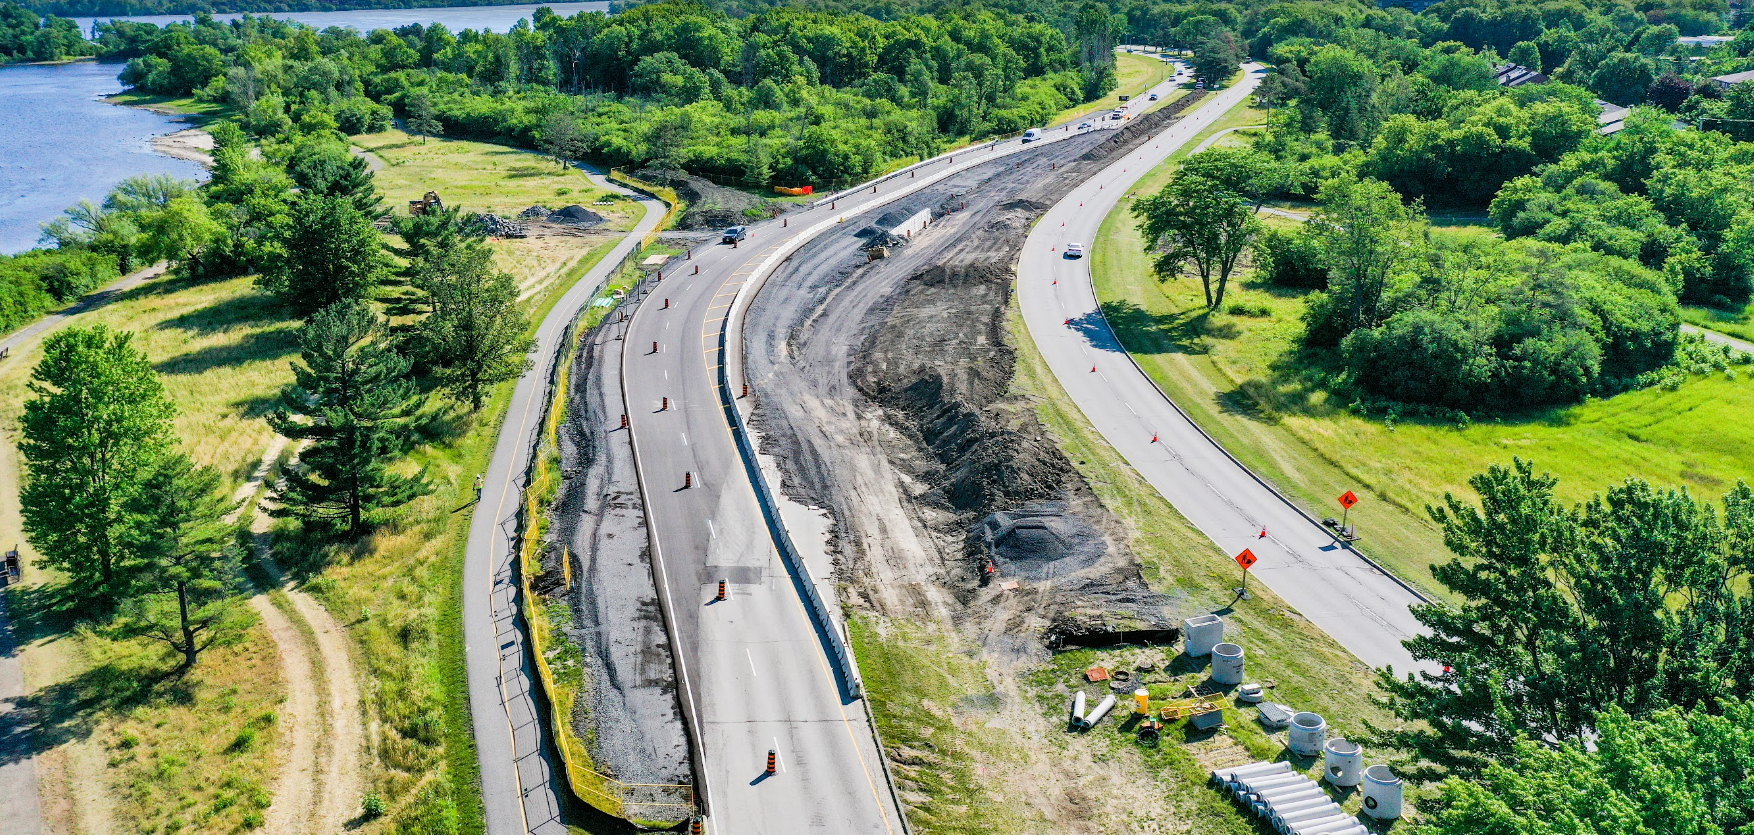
{"x": 520, "y": 790}
{"x": 755, "y": 673}
{"x": 1363, "y": 608}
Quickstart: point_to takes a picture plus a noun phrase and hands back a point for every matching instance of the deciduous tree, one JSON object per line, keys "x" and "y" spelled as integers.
{"x": 328, "y": 253}
{"x": 98, "y": 423}
{"x": 475, "y": 336}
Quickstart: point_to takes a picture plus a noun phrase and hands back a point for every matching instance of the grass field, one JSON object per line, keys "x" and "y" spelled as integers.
{"x": 1134, "y": 74}
{"x": 1238, "y": 377}
{"x": 199, "y": 755}
{"x": 196, "y": 753}
{"x": 1739, "y": 324}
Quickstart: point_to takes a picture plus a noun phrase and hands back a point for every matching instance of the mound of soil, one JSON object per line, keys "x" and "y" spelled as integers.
{"x": 710, "y": 206}
{"x": 575, "y": 215}
{"x": 1040, "y": 541}
{"x": 1147, "y": 124}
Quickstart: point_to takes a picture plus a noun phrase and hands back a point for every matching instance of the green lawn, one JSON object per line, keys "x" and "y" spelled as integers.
{"x": 1738, "y": 323}
{"x": 1134, "y": 74}
{"x": 1239, "y": 377}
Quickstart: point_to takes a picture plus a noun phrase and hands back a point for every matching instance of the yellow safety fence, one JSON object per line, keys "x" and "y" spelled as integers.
{"x": 671, "y": 199}
{"x": 658, "y": 804}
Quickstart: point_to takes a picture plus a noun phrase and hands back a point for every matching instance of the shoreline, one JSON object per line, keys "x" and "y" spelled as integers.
{"x": 190, "y": 144}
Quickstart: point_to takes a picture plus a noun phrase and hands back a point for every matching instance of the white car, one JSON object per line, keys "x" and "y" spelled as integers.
{"x": 1074, "y": 250}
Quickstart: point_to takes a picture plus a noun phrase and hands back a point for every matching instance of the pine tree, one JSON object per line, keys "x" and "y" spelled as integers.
{"x": 179, "y": 527}
{"x": 475, "y": 336}
{"x": 329, "y": 253}
{"x": 353, "y": 400}
{"x": 97, "y": 426}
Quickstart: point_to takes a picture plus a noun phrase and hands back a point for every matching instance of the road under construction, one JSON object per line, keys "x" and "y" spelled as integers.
{"x": 736, "y": 542}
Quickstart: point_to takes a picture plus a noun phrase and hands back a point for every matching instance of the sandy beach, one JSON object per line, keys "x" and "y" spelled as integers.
{"x": 194, "y": 145}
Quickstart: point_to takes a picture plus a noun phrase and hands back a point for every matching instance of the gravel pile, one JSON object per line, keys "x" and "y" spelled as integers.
{"x": 536, "y": 212}
{"x": 574, "y": 215}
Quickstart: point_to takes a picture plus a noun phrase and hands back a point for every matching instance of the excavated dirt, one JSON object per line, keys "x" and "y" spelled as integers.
{"x": 882, "y": 391}
{"x": 711, "y": 206}
{"x": 628, "y": 712}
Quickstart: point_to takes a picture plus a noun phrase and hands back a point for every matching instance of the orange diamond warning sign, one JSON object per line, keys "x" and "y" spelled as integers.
{"x": 1245, "y": 559}
{"x": 1348, "y": 500}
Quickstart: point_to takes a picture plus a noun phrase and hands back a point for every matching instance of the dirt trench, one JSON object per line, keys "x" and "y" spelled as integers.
{"x": 883, "y": 393}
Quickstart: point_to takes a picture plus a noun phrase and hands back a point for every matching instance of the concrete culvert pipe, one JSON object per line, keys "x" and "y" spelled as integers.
{"x": 1263, "y": 779}
{"x": 1267, "y": 785}
{"x": 1343, "y": 762}
{"x": 1226, "y": 663}
{"x": 1382, "y": 793}
{"x": 1200, "y": 633}
{"x": 1308, "y": 732}
{"x": 1077, "y": 717}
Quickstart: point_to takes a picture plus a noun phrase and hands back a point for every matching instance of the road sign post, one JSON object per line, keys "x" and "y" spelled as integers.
{"x": 1246, "y": 559}
{"x": 1347, "y": 500}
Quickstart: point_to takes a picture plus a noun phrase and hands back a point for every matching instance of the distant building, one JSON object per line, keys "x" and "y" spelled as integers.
{"x": 1513, "y": 75}
{"x": 1725, "y": 82}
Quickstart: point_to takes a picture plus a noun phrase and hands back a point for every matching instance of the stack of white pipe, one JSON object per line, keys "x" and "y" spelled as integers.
{"x": 1290, "y": 801}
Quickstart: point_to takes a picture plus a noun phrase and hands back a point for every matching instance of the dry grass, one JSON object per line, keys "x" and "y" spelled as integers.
{"x": 171, "y": 747}
{"x": 481, "y": 177}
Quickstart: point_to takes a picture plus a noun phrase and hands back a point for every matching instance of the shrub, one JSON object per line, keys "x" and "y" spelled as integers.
{"x": 373, "y": 805}
{"x": 1290, "y": 259}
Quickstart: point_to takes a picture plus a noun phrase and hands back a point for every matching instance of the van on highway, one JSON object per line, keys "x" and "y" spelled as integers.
{"x": 735, "y": 234}
{"x": 1032, "y": 134}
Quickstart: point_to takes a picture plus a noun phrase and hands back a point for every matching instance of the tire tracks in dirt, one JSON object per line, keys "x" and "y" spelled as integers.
{"x": 319, "y": 786}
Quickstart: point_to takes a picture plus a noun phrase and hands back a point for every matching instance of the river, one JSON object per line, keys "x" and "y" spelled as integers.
{"x": 61, "y": 143}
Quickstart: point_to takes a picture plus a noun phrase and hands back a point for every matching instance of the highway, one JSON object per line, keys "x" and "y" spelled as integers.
{"x": 756, "y": 673}
{"x": 1362, "y": 607}
{"x": 520, "y": 792}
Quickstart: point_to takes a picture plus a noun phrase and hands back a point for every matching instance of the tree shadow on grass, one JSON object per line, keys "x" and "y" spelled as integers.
{"x": 255, "y": 346}
{"x": 254, "y": 308}
{"x": 72, "y": 709}
{"x": 1144, "y": 331}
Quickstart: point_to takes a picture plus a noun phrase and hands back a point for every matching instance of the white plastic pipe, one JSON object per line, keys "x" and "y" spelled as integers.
{"x": 1290, "y": 819}
{"x": 1283, "y": 812}
{"x": 1265, "y": 806}
{"x": 1102, "y": 708}
{"x": 1229, "y": 774}
{"x": 1320, "y": 826}
{"x": 1275, "y": 781}
{"x": 1077, "y": 709}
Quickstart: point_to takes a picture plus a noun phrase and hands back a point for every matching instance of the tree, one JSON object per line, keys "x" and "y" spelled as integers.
{"x": 561, "y": 139}
{"x": 1367, "y": 234}
{"x": 1202, "y": 218}
{"x": 329, "y": 252}
{"x": 353, "y": 400}
{"x": 421, "y": 118}
{"x": 475, "y": 336}
{"x": 179, "y": 524}
{"x": 97, "y": 425}
{"x": 323, "y": 166}
{"x": 1623, "y": 78}
{"x": 182, "y": 231}
{"x": 1526, "y": 54}
{"x": 1635, "y": 600}
{"x": 1342, "y": 91}
{"x": 1216, "y": 58}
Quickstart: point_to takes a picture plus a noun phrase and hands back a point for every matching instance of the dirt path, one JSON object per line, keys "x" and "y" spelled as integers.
{"x": 320, "y": 786}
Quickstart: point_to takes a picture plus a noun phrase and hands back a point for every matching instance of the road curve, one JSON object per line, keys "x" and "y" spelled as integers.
{"x": 520, "y": 792}
{"x": 1362, "y": 607}
{"x": 756, "y": 672}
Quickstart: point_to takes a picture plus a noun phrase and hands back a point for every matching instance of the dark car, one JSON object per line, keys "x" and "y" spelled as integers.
{"x": 735, "y": 234}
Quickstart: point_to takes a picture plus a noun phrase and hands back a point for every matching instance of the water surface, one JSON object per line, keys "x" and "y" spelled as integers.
{"x": 61, "y": 143}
